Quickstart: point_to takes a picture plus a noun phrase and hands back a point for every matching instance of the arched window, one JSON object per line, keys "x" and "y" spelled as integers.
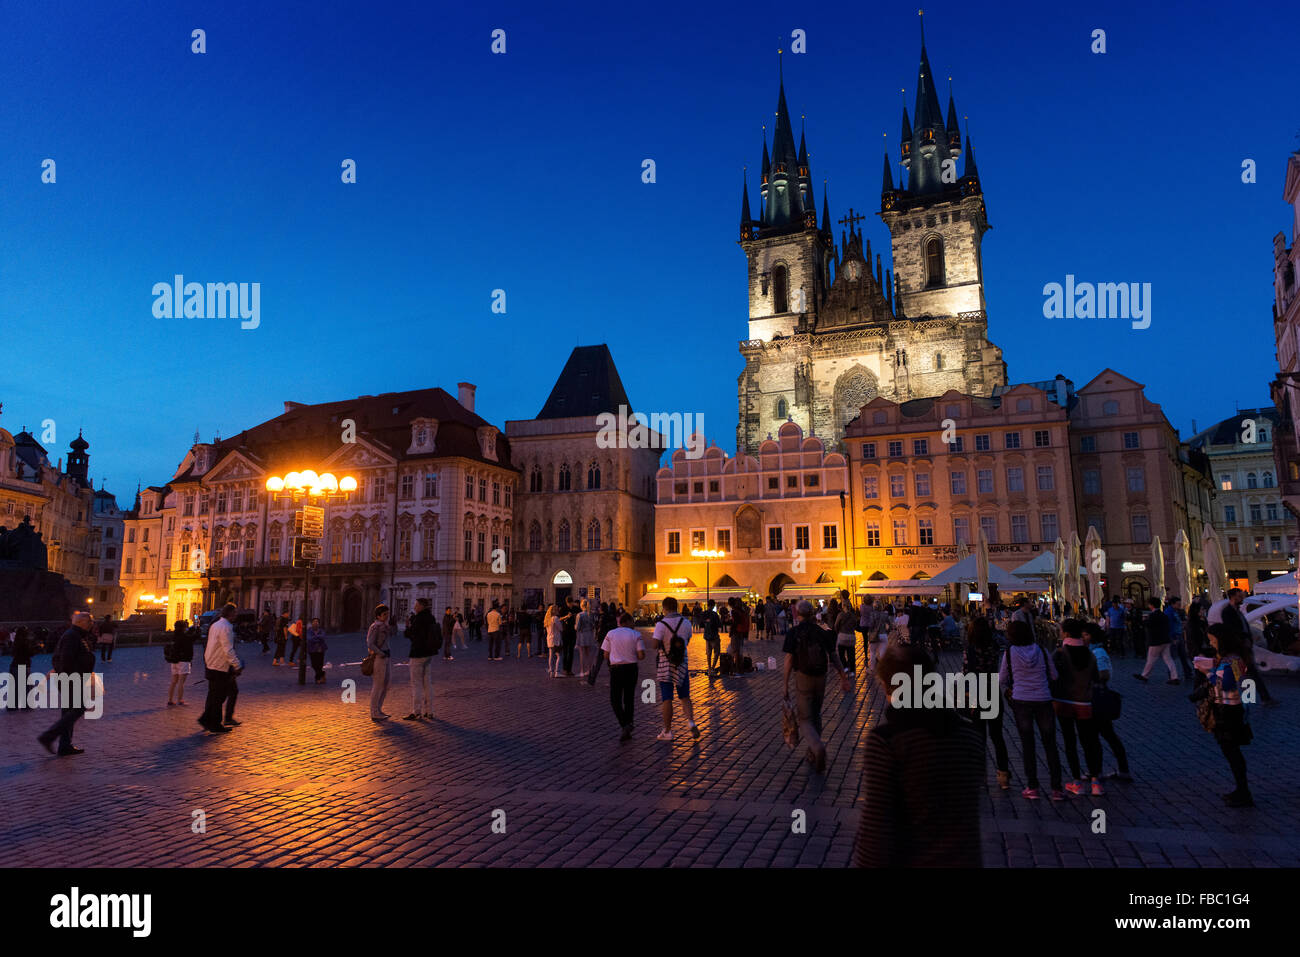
{"x": 938, "y": 361}
{"x": 1252, "y": 480}
{"x": 593, "y": 475}
{"x": 1266, "y": 480}
{"x": 535, "y": 479}
{"x": 566, "y": 480}
{"x": 535, "y": 537}
{"x": 562, "y": 537}
{"x": 593, "y": 536}
{"x": 782, "y": 409}
{"x": 934, "y": 262}
{"x": 780, "y": 289}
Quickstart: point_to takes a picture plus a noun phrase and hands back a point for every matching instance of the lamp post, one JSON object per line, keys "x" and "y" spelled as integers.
{"x": 707, "y": 554}
{"x": 309, "y": 488}
{"x": 850, "y": 576}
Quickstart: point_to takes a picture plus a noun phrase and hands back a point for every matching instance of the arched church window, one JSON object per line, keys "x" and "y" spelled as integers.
{"x": 782, "y": 409}
{"x": 780, "y": 289}
{"x": 938, "y": 361}
{"x": 933, "y": 262}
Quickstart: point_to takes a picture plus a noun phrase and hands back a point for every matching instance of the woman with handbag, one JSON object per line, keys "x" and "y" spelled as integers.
{"x": 1072, "y": 702}
{"x": 1226, "y": 717}
{"x": 377, "y": 646}
{"x": 1026, "y": 675}
{"x": 1105, "y": 702}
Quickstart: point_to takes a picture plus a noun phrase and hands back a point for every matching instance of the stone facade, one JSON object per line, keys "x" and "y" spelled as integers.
{"x": 108, "y": 523}
{"x": 1285, "y": 388}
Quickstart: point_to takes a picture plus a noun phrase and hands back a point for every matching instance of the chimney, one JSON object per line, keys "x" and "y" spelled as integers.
{"x": 466, "y": 394}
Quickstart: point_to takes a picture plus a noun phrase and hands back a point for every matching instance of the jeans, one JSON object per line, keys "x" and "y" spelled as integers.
{"x": 567, "y": 643}
{"x": 421, "y": 686}
{"x": 62, "y": 729}
{"x": 219, "y": 683}
{"x": 1028, "y": 714}
{"x": 1160, "y": 651}
{"x": 992, "y": 727}
{"x": 105, "y": 651}
{"x": 379, "y": 688}
{"x": 849, "y": 655}
{"x": 622, "y": 689}
{"x": 279, "y": 649}
{"x": 1087, "y": 733}
{"x": 318, "y": 664}
{"x": 1106, "y": 732}
{"x": 293, "y": 651}
{"x": 495, "y": 645}
{"x": 809, "y": 692}
{"x": 1237, "y": 762}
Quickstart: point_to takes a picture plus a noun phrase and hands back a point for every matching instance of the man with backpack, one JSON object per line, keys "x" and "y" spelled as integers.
{"x": 809, "y": 654}
{"x": 711, "y": 625}
{"x": 670, "y": 637}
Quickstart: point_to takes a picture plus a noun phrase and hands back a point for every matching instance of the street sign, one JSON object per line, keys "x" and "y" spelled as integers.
{"x": 309, "y": 521}
{"x": 307, "y": 548}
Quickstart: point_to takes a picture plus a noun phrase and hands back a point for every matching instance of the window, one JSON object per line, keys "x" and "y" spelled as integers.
{"x": 469, "y": 545}
{"x": 274, "y": 553}
{"x": 724, "y": 539}
{"x": 509, "y": 497}
{"x": 782, "y": 409}
{"x": 697, "y": 539}
{"x": 404, "y": 542}
{"x": 873, "y": 534}
{"x": 1275, "y": 544}
{"x": 127, "y": 567}
{"x": 1011, "y": 440}
{"x": 989, "y": 526}
{"x": 407, "y": 487}
{"x": 221, "y": 502}
{"x": 1097, "y": 522}
{"x": 1263, "y": 432}
{"x": 1137, "y": 478}
{"x": 961, "y": 531}
{"x": 830, "y": 537}
{"x": 982, "y": 443}
{"x": 895, "y": 450}
{"x": 1015, "y": 480}
{"x": 897, "y": 488}
{"x": 1019, "y": 529}
{"x": 1266, "y": 481}
{"x": 780, "y": 289}
{"x": 1229, "y": 513}
{"x": 1049, "y": 529}
{"x": 958, "y": 444}
{"x": 925, "y": 531}
{"x": 189, "y": 505}
{"x": 933, "y": 262}
{"x": 870, "y": 486}
{"x": 922, "y": 483}
{"x": 496, "y": 493}
{"x": 1270, "y": 508}
{"x": 1046, "y": 478}
{"x": 562, "y": 537}
{"x": 774, "y": 539}
{"x": 1110, "y": 407}
{"x": 1225, "y": 483}
{"x": 379, "y": 488}
{"x": 482, "y": 546}
{"x": 984, "y": 481}
{"x": 593, "y": 536}
{"x": 535, "y": 537}
{"x": 792, "y": 481}
{"x": 565, "y": 483}
{"x": 1042, "y": 438}
{"x": 958, "y": 481}
{"x": 1088, "y": 443}
{"x": 1091, "y": 481}
{"x": 868, "y": 450}
{"x": 697, "y": 488}
{"x": 130, "y": 535}
{"x": 920, "y": 446}
{"x": 1141, "y": 529}
{"x": 1234, "y": 547}
{"x": 110, "y": 551}
{"x": 237, "y": 500}
{"x": 772, "y": 485}
{"x": 801, "y": 537}
{"x": 431, "y": 483}
{"x": 1025, "y": 405}
{"x": 810, "y": 480}
{"x": 1252, "y": 480}
{"x": 144, "y": 537}
{"x": 108, "y": 574}
{"x": 713, "y": 486}
{"x": 534, "y": 480}
{"x": 1131, "y": 440}
{"x": 900, "y": 531}
{"x": 593, "y": 476}
{"x": 482, "y": 490}
{"x": 1256, "y": 514}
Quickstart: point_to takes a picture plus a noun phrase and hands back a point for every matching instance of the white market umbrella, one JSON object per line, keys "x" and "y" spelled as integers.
{"x": 1281, "y": 585}
{"x": 982, "y": 564}
{"x": 1216, "y": 569}
{"x": 1092, "y": 545}
{"x": 1183, "y": 565}
{"x": 1157, "y": 567}
{"x": 1072, "y": 584}
{"x": 963, "y": 552}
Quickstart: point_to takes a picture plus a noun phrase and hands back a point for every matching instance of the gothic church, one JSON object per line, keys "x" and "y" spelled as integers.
{"x": 828, "y": 329}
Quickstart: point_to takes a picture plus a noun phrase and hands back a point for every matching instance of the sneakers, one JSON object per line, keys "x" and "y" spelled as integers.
{"x": 664, "y": 736}
{"x": 1142, "y": 678}
{"x": 412, "y": 717}
{"x": 1074, "y": 787}
{"x": 232, "y": 723}
{"x": 1058, "y": 796}
{"x": 1239, "y": 799}
{"x": 1030, "y": 794}
{"x": 695, "y": 731}
{"x": 1097, "y": 789}
{"x": 71, "y": 751}
{"x": 1004, "y": 780}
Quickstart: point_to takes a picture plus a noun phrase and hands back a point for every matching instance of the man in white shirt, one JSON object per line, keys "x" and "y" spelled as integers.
{"x": 222, "y": 666}
{"x": 673, "y": 675}
{"x": 495, "y": 643}
{"x": 623, "y": 648}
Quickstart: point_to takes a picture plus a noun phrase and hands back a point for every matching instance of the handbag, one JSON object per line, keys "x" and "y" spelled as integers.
{"x": 368, "y": 664}
{"x": 1107, "y": 703}
{"x": 789, "y": 724}
{"x": 1205, "y": 714}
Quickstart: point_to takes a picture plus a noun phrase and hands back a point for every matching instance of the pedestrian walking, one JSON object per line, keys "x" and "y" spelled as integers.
{"x": 449, "y": 634}
{"x": 711, "y": 627}
{"x": 316, "y": 648}
{"x": 846, "y": 635}
{"x": 181, "y": 657}
{"x": 922, "y": 777}
{"x": 1226, "y": 716}
{"x": 1177, "y": 637}
{"x": 1072, "y": 702}
{"x": 377, "y": 644}
{"x": 73, "y": 664}
{"x": 1106, "y": 722}
{"x": 1115, "y": 625}
{"x": 424, "y": 645}
{"x": 266, "y": 628}
{"x": 568, "y": 634}
{"x": 1157, "y": 635}
{"x": 281, "y": 637}
{"x": 554, "y": 641}
{"x": 295, "y": 634}
{"x": 1026, "y": 674}
{"x": 1227, "y": 611}
{"x": 623, "y": 647}
{"x": 524, "y": 622}
{"x": 496, "y": 637}
{"x": 587, "y": 622}
{"x": 107, "y": 638}
{"x": 222, "y": 667}
{"x": 459, "y": 634}
{"x": 670, "y": 638}
{"x": 809, "y": 654}
{"x": 982, "y": 657}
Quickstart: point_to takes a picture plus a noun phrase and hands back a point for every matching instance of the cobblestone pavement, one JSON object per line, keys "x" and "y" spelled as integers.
{"x": 309, "y": 780}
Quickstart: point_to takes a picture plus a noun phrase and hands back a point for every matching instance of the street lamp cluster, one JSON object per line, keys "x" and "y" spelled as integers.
{"x": 310, "y": 485}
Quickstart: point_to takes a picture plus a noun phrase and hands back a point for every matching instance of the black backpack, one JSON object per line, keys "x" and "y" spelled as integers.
{"x": 676, "y": 645}
{"x": 810, "y": 654}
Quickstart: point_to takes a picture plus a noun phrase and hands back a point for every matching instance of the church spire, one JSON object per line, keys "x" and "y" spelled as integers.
{"x": 954, "y": 131}
{"x": 746, "y": 220}
{"x": 970, "y": 179}
{"x": 786, "y": 183}
{"x": 826, "y": 212}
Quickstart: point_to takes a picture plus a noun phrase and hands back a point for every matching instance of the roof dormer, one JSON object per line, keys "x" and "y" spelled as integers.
{"x": 487, "y": 441}
{"x": 423, "y": 433}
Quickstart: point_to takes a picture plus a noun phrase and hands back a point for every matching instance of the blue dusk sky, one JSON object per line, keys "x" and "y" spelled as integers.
{"x": 522, "y": 172}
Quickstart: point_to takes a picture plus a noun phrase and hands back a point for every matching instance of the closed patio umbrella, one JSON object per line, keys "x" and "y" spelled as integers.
{"x": 1216, "y": 570}
{"x": 1157, "y": 567}
{"x": 982, "y": 565}
{"x": 1094, "y": 562}
{"x": 1183, "y": 565}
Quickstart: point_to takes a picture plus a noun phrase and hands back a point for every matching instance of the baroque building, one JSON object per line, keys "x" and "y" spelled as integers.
{"x": 584, "y": 510}
{"x": 829, "y": 329}
{"x": 1285, "y": 388}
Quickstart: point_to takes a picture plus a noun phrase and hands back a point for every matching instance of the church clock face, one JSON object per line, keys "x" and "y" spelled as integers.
{"x": 852, "y": 271}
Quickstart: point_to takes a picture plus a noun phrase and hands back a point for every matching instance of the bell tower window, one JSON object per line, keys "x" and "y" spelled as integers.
{"x": 782, "y": 409}
{"x": 780, "y": 289}
{"x": 933, "y": 262}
